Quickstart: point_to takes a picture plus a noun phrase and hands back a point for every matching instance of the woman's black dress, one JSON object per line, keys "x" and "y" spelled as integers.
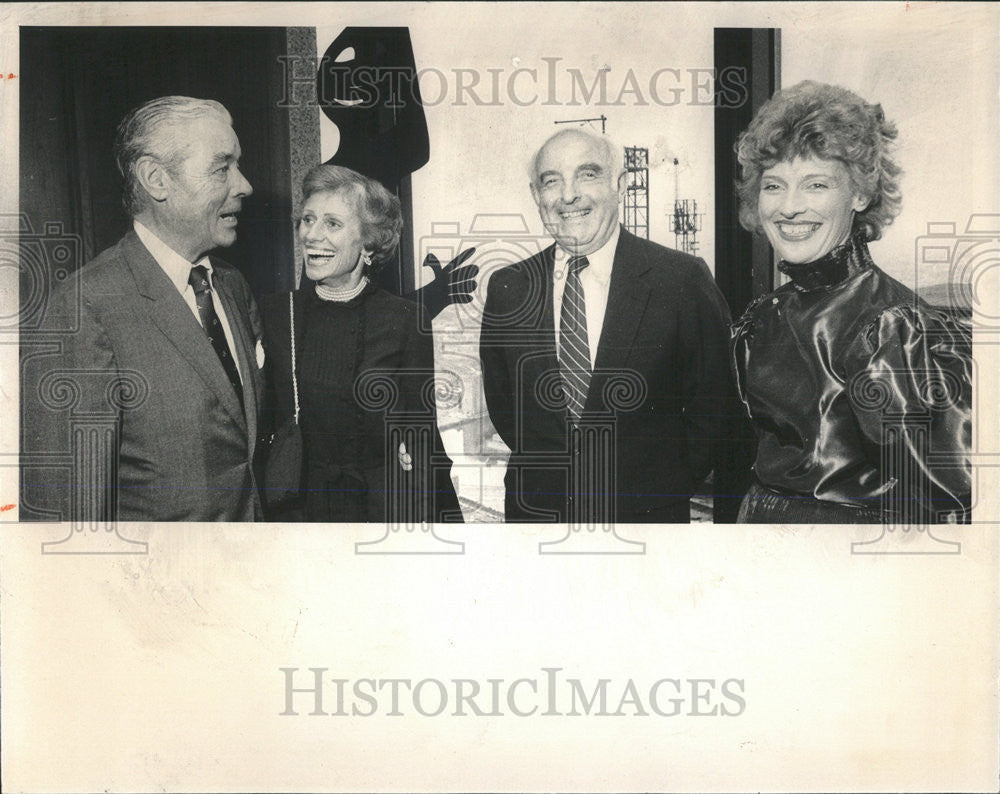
{"x": 364, "y": 366}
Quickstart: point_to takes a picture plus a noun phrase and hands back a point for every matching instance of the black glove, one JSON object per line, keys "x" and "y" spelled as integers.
{"x": 451, "y": 284}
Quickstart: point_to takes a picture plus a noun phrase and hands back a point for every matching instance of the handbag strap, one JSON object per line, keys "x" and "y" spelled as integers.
{"x": 291, "y": 325}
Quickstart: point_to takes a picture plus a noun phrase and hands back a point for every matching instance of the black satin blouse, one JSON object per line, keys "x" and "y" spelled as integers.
{"x": 856, "y": 388}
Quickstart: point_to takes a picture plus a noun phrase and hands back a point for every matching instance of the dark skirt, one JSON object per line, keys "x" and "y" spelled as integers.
{"x": 336, "y": 493}
{"x": 764, "y": 506}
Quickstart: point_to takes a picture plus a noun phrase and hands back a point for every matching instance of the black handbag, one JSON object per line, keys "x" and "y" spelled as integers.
{"x": 283, "y": 471}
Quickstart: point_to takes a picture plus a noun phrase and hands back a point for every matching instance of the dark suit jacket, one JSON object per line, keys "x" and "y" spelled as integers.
{"x": 123, "y": 391}
{"x": 661, "y": 380}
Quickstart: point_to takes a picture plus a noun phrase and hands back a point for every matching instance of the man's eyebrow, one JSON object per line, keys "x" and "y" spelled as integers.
{"x": 223, "y": 158}
{"x": 544, "y": 174}
{"x": 591, "y": 167}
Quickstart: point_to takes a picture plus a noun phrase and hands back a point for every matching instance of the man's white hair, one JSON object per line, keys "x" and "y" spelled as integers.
{"x": 150, "y": 129}
{"x": 614, "y": 154}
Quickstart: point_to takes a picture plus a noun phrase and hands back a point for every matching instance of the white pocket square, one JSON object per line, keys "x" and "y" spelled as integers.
{"x": 260, "y": 355}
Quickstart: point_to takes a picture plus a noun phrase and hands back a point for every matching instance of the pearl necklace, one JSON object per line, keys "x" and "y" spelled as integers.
{"x": 341, "y": 295}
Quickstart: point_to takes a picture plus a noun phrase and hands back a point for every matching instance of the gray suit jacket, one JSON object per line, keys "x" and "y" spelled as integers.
{"x": 126, "y": 409}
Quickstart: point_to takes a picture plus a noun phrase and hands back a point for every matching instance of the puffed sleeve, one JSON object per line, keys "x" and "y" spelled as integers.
{"x": 913, "y": 398}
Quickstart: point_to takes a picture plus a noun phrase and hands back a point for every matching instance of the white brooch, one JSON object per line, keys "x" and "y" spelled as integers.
{"x": 260, "y": 355}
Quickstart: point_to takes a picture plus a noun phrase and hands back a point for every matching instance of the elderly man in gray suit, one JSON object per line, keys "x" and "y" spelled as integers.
{"x": 158, "y": 343}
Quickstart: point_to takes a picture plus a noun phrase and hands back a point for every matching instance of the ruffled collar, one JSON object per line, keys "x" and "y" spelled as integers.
{"x": 834, "y": 267}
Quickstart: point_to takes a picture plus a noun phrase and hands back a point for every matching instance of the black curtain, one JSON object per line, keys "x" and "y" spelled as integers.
{"x": 748, "y": 70}
{"x": 78, "y": 83}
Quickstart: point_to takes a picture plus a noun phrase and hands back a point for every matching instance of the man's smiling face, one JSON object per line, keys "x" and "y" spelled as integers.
{"x": 577, "y": 191}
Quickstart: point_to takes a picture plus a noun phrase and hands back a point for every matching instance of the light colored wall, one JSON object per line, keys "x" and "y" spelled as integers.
{"x": 480, "y": 153}
{"x": 934, "y": 68}
{"x": 303, "y": 125}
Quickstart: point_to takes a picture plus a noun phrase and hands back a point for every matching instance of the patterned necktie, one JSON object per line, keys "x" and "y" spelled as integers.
{"x": 574, "y": 349}
{"x": 210, "y": 322}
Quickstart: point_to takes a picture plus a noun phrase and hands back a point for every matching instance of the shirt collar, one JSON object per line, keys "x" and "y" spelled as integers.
{"x": 601, "y": 260}
{"x": 177, "y": 268}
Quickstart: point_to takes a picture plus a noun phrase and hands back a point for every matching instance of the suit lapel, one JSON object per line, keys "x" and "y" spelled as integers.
{"x": 628, "y": 294}
{"x": 245, "y": 350}
{"x": 541, "y": 279}
{"x": 539, "y": 282}
{"x": 175, "y": 320}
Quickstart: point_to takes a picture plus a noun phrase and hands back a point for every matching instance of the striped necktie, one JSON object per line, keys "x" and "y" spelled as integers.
{"x": 574, "y": 349}
{"x": 210, "y": 322}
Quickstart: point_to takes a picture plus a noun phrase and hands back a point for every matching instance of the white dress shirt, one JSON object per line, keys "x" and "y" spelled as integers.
{"x": 178, "y": 270}
{"x": 595, "y": 280}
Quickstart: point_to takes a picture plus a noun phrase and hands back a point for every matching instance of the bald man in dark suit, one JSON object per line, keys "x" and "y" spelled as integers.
{"x": 604, "y": 356}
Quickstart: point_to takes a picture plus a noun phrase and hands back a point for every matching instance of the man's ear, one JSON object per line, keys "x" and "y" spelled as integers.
{"x": 534, "y": 193}
{"x": 153, "y": 177}
{"x": 622, "y": 181}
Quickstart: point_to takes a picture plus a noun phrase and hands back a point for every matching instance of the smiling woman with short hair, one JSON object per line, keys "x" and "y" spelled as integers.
{"x": 362, "y": 360}
{"x": 859, "y": 393}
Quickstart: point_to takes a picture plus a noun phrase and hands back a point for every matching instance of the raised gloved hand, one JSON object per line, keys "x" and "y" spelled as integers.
{"x": 451, "y": 284}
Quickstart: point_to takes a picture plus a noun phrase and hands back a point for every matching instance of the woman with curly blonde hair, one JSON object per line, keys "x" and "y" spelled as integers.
{"x": 859, "y": 393}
